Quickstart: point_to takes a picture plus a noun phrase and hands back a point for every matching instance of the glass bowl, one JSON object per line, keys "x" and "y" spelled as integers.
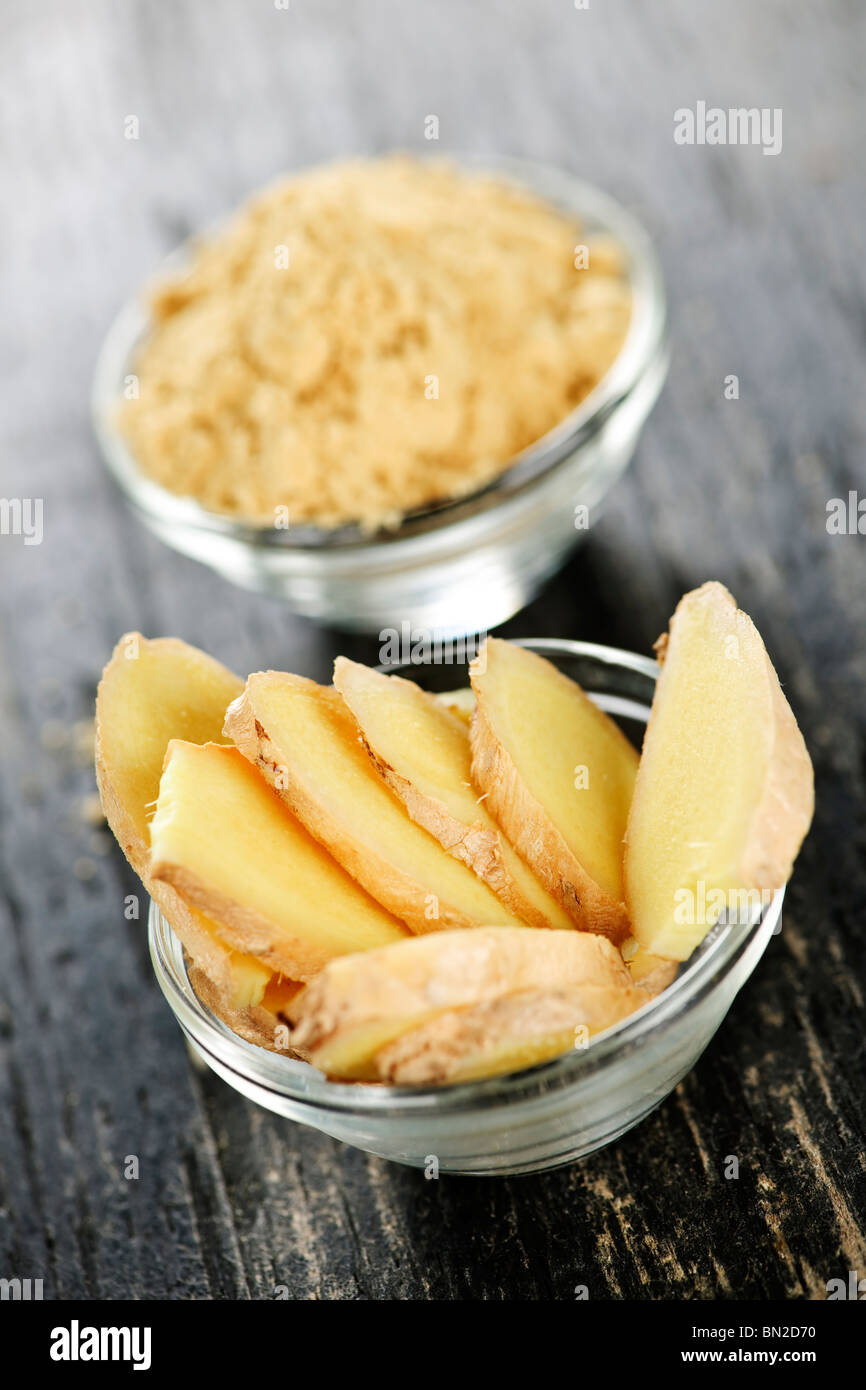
{"x": 462, "y": 566}
{"x": 542, "y": 1117}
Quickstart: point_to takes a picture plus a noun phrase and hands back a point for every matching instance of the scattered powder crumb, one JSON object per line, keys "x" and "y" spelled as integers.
{"x": 369, "y": 338}
{"x": 84, "y": 868}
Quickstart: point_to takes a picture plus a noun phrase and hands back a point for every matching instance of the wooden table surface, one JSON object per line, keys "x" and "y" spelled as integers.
{"x": 766, "y": 279}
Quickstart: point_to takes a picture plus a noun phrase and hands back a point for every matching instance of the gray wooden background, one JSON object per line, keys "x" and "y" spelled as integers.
{"x": 766, "y": 274}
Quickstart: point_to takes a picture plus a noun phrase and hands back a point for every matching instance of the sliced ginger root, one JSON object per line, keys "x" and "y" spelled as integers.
{"x": 152, "y": 691}
{"x": 650, "y": 973}
{"x": 421, "y": 751}
{"x": 303, "y": 739}
{"x": 359, "y": 1004}
{"x": 305, "y": 852}
{"x": 460, "y": 703}
{"x": 504, "y": 1035}
{"x": 266, "y": 1024}
{"x": 724, "y": 793}
{"x": 228, "y": 845}
{"x": 558, "y": 775}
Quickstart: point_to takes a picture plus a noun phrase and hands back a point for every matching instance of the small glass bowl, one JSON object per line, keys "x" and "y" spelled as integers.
{"x": 465, "y": 565}
{"x": 542, "y": 1117}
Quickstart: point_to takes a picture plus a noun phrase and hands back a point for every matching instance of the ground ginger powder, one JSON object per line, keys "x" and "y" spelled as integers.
{"x": 368, "y": 338}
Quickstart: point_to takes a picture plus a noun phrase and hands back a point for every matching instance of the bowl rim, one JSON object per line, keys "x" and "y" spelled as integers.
{"x": 644, "y": 343}
{"x": 718, "y": 956}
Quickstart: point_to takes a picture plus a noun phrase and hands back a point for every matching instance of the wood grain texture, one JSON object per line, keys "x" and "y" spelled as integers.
{"x": 763, "y": 259}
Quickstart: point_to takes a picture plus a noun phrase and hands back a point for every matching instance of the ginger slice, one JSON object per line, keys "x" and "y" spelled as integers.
{"x": 358, "y": 1004}
{"x": 504, "y": 1035}
{"x": 558, "y": 776}
{"x": 650, "y": 973}
{"x": 228, "y": 844}
{"x": 724, "y": 793}
{"x": 461, "y": 703}
{"x": 421, "y": 750}
{"x": 263, "y": 1024}
{"x": 152, "y": 691}
{"x": 304, "y": 740}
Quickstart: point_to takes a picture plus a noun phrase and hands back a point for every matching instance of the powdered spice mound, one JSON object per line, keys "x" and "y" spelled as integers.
{"x": 369, "y": 338}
